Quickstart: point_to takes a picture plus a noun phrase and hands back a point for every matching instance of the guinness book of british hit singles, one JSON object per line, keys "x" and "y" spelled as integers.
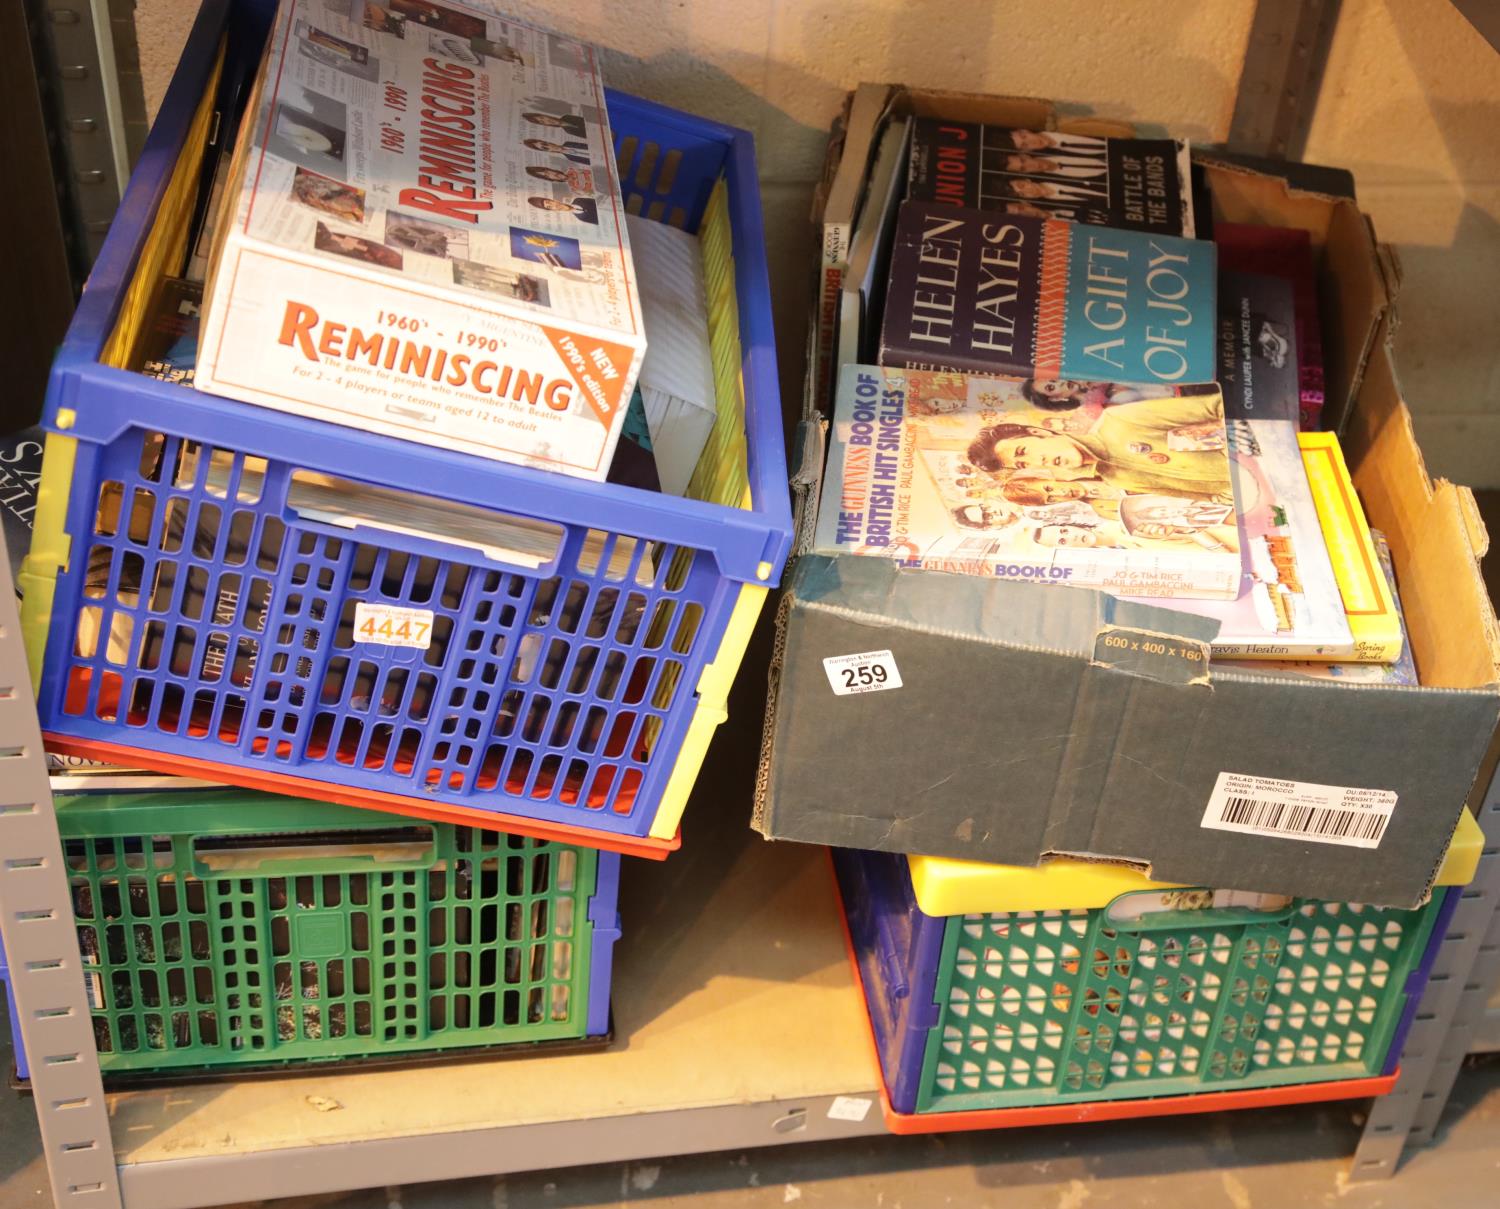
{"x": 986, "y": 293}
{"x": 424, "y": 237}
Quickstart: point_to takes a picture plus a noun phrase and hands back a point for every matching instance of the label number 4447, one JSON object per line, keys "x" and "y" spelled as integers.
{"x": 390, "y": 625}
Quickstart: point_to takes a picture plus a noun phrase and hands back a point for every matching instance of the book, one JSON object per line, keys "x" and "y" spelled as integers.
{"x": 1284, "y": 252}
{"x": 166, "y": 345}
{"x": 867, "y": 109}
{"x": 1403, "y": 670}
{"x": 634, "y": 463}
{"x": 862, "y": 296}
{"x": 423, "y": 236}
{"x": 964, "y": 473}
{"x": 1139, "y": 184}
{"x": 79, "y": 774}
{"x": 676, "y": 382}
{"x": 1011, "y": 294}
{"x": 20, "y": 477}
{"x": 1368, "y": 602}
{"x": 1288, "y": 604}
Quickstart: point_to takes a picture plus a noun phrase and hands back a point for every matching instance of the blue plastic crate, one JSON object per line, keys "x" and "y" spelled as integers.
{"x": 186, "y": 617}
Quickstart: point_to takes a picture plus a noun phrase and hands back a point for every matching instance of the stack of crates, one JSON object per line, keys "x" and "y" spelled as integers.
{"x": 1001, "y": 995}
{"x": 182, "y": 615}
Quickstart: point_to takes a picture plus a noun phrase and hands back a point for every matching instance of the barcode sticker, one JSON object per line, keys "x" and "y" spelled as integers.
{"x": 391, "y": 625}
{"x": 1324, "y": 814}
{"x": 867, "y": 672}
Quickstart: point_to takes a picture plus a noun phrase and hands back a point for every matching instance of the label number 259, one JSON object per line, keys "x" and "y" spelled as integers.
{"x": 863, "y": 676}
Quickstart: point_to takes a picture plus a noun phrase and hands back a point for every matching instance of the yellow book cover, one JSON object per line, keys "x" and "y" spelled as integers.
{"x": 1373, "y": 619}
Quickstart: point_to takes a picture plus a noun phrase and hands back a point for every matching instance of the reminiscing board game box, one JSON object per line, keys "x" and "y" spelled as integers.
{"x": 424, "y": 236}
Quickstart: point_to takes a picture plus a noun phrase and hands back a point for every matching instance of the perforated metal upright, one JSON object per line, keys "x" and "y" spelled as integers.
{"x": 36, "y": 923}
{"x": 1448, "y": 1017}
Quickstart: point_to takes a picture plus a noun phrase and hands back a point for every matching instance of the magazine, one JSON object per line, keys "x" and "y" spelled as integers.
{"x": 424, "y": 236}
{"x": 1289, "y": 604}
{"x": 1123, "y": 488}
{"x": 1016, "y": 295}
{"x": 1139, "y": 184}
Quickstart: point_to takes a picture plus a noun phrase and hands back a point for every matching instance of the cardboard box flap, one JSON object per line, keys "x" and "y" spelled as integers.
{"x": 1345, "y": 247}
{"x": 1070, "y": 621}
{"x": 809, "y": 449}
{"x": 1107, "y": 128}
{"x": 1025, "y": 112}
{"x": 1435, "y": 533}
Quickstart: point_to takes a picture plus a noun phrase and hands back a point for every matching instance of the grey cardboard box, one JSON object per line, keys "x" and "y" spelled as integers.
{"x": 1033, "y": 722}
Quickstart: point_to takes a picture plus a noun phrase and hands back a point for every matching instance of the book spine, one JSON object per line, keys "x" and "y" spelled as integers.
{"x": 1330, "y": 652}
{"x": 830, "y": 287}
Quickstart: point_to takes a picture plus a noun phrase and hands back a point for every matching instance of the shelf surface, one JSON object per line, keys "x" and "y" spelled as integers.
{"x": 732, "y": 990}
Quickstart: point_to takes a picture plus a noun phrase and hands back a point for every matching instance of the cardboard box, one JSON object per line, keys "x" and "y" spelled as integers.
{"x": 1013, "y": 723}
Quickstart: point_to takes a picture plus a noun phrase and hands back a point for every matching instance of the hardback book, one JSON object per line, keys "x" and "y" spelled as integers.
{"x": 1124, "y": 489}
{"x": 862, "y": 296}
{"x": 79, "y": 774}
{"x": 861, "y": 128}
{"x": 1368, "y": 602}
{"x": 1139, "y": 184}
{"x": 166, "y": 347}
{"x": 634, "y": 463}
{"x": 1284, "y": 252}
{"x": 1288, "y": 604}
{"x": 20, "y": 477}
{"x": 1403, "y": 670}
{"x": 677, "y": 376}
{"x": 1010, "y": 294}
{"x": 423, "y": 236}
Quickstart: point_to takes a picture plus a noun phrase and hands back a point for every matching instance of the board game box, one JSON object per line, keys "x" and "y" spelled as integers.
{"x": 425, "y": 236}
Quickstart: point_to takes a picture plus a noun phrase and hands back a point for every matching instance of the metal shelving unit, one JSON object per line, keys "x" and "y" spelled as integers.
{"x": 734, "y": 940}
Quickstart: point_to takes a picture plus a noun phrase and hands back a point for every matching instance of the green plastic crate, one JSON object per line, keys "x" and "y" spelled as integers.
{"x": 1064, "y": 999}
{"x": 1145, "y": 994}
{"x": 238, "y": 929}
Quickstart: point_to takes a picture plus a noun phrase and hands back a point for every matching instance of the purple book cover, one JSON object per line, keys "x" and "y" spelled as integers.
{"x": 1284, "y": 252}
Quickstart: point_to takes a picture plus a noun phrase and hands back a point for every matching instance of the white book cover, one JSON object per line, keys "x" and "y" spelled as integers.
{"x": 677, "y": 375}
{"x": 427, "y": 236}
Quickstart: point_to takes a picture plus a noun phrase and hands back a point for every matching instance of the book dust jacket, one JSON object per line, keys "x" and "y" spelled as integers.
{"x": 1011, "y": 294}
{"x": 1123, "y": 488}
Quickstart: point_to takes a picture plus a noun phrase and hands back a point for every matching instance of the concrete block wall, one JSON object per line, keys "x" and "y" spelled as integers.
{"x": 1405, "y": 104}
